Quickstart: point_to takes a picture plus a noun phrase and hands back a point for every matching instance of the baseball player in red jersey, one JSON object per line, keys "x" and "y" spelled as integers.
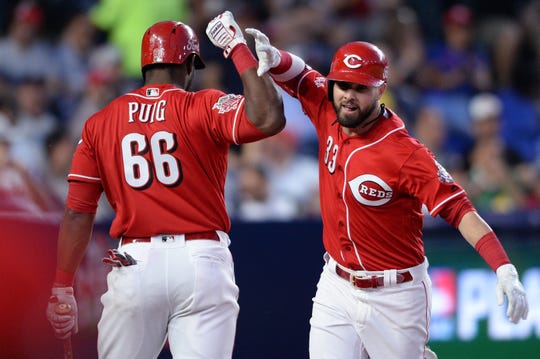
{"x": 160, "y": 155}
{"x": 374, "y": 294}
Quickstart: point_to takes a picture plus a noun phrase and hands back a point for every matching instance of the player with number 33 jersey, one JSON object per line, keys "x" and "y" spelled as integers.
{"x": 373, "y": 298}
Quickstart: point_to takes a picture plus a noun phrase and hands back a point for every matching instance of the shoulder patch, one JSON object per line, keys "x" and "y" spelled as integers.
{"x": 227, "y": 103}
{"x": 320, "y": 81}
{"x": 442, "y": 173}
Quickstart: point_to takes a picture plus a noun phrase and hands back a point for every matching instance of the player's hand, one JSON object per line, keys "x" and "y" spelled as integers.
{"x": 268, "y": 55}
{"x": 117, "y": 259}
{"x": 225, "y": 33}
{"x": 62, "y": 312}
{"x": 508, "y": 284}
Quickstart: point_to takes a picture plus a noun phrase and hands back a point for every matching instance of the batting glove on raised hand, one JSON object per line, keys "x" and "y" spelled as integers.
{"x": 225, "y": 33}
{"x": 62, "y": 312}
{"x": 269, "y": 56}
{"x": 508, "y": 284}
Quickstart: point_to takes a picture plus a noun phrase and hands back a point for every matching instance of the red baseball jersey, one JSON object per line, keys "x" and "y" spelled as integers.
{"x": 374, "y": 186}
{"x": 160, "y": 153}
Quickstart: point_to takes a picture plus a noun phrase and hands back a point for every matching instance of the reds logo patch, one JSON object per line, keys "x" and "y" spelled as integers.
{"x": 227, "y": 103}
{"x": 370, "y": 190}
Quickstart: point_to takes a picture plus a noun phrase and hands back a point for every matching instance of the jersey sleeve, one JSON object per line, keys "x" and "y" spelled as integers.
{"x": 227, "y": 119}
{"x": 85, "y": 183}
{"x": 83, "y": 164}
{"x": 310, "y": 88}
{"x": 427, "y": 180}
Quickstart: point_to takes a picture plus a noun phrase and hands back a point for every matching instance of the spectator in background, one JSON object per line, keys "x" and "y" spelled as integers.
{"x": 491, "y": 185}
{"x": 520, "y": 94}
{"x": 494, "y": 184}
{"x": 532, "y": 200}
{"x": 104, "y": 82}
{"x": 454, "y": 70}
{"x": 59, "y": 148}
{"x": 33, "y": 123}
{"x": 291, "y": 175}
{"x": 520, "y": 118}
{"x": 298, "y": 125}
{"x": 124, "y": 22}
{"x": 7, "y": 115}
{"x": 403, "y": 42}
{"x": 18, "y": 190}
{"x": 429, "y": 127}
{"x": 24, "y": 52}
{"x": 74, "y": 49}
{"x": 254, "y": 200}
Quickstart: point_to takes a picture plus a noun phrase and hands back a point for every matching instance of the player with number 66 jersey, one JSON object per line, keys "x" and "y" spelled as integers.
{"x": 168, "y": 150}
{"x": 159, "y": 153}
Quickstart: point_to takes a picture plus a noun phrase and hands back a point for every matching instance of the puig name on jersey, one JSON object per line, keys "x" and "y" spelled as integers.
{"x": 147, "y": 112}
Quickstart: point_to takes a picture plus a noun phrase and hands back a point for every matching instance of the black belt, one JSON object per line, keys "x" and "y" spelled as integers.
{"x": 373, "y": 281}
{"x": 210, "y": 235}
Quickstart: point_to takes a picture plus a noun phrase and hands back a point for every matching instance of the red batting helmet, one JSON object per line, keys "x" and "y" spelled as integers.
{"x": 360, "y": 63}
{"x": 169, "y": 42}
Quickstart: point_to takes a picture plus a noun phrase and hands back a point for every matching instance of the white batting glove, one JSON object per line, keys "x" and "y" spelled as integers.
{"x": 269, "y": 56}
{"x": 62, "y": 312}
{"x": 508, "y": 284}
{"x": 225, "y": 33}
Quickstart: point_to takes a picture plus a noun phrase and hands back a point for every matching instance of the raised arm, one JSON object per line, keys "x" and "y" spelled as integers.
{"x": 263, "y": 102}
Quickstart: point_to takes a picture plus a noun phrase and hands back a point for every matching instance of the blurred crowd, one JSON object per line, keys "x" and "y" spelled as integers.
{"x": 464, "y": 76}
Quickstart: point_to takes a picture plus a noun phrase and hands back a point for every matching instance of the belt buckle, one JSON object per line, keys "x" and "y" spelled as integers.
{"x": 353, "y": 277}
{"x": 364, "y": 281}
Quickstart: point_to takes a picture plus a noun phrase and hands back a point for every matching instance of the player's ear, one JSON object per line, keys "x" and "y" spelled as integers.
{"x": 382, "y": 89}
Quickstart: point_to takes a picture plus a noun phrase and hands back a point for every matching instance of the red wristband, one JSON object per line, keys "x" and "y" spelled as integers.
{"x": 490, "y": 248}
{"x": 243, "y": 59}
{"x": 284, "y": 64}
{"x": 64, "y": 278}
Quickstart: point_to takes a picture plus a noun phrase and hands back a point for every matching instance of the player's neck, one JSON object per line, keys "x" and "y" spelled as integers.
{"x": 166, "y": 75}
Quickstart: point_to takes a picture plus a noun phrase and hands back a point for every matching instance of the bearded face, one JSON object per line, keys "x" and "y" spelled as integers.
{"x": 354, "y": 103}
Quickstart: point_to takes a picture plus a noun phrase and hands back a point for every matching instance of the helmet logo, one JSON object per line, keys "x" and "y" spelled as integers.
{"x": 353, "y": 61}
{"x": 158, "y": 54}
{"x": 192, "y": 45}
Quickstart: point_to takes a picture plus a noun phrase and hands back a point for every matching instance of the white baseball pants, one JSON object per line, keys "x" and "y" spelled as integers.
{"x": 181, "y": 290}
{"x": 380, "y": 323}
